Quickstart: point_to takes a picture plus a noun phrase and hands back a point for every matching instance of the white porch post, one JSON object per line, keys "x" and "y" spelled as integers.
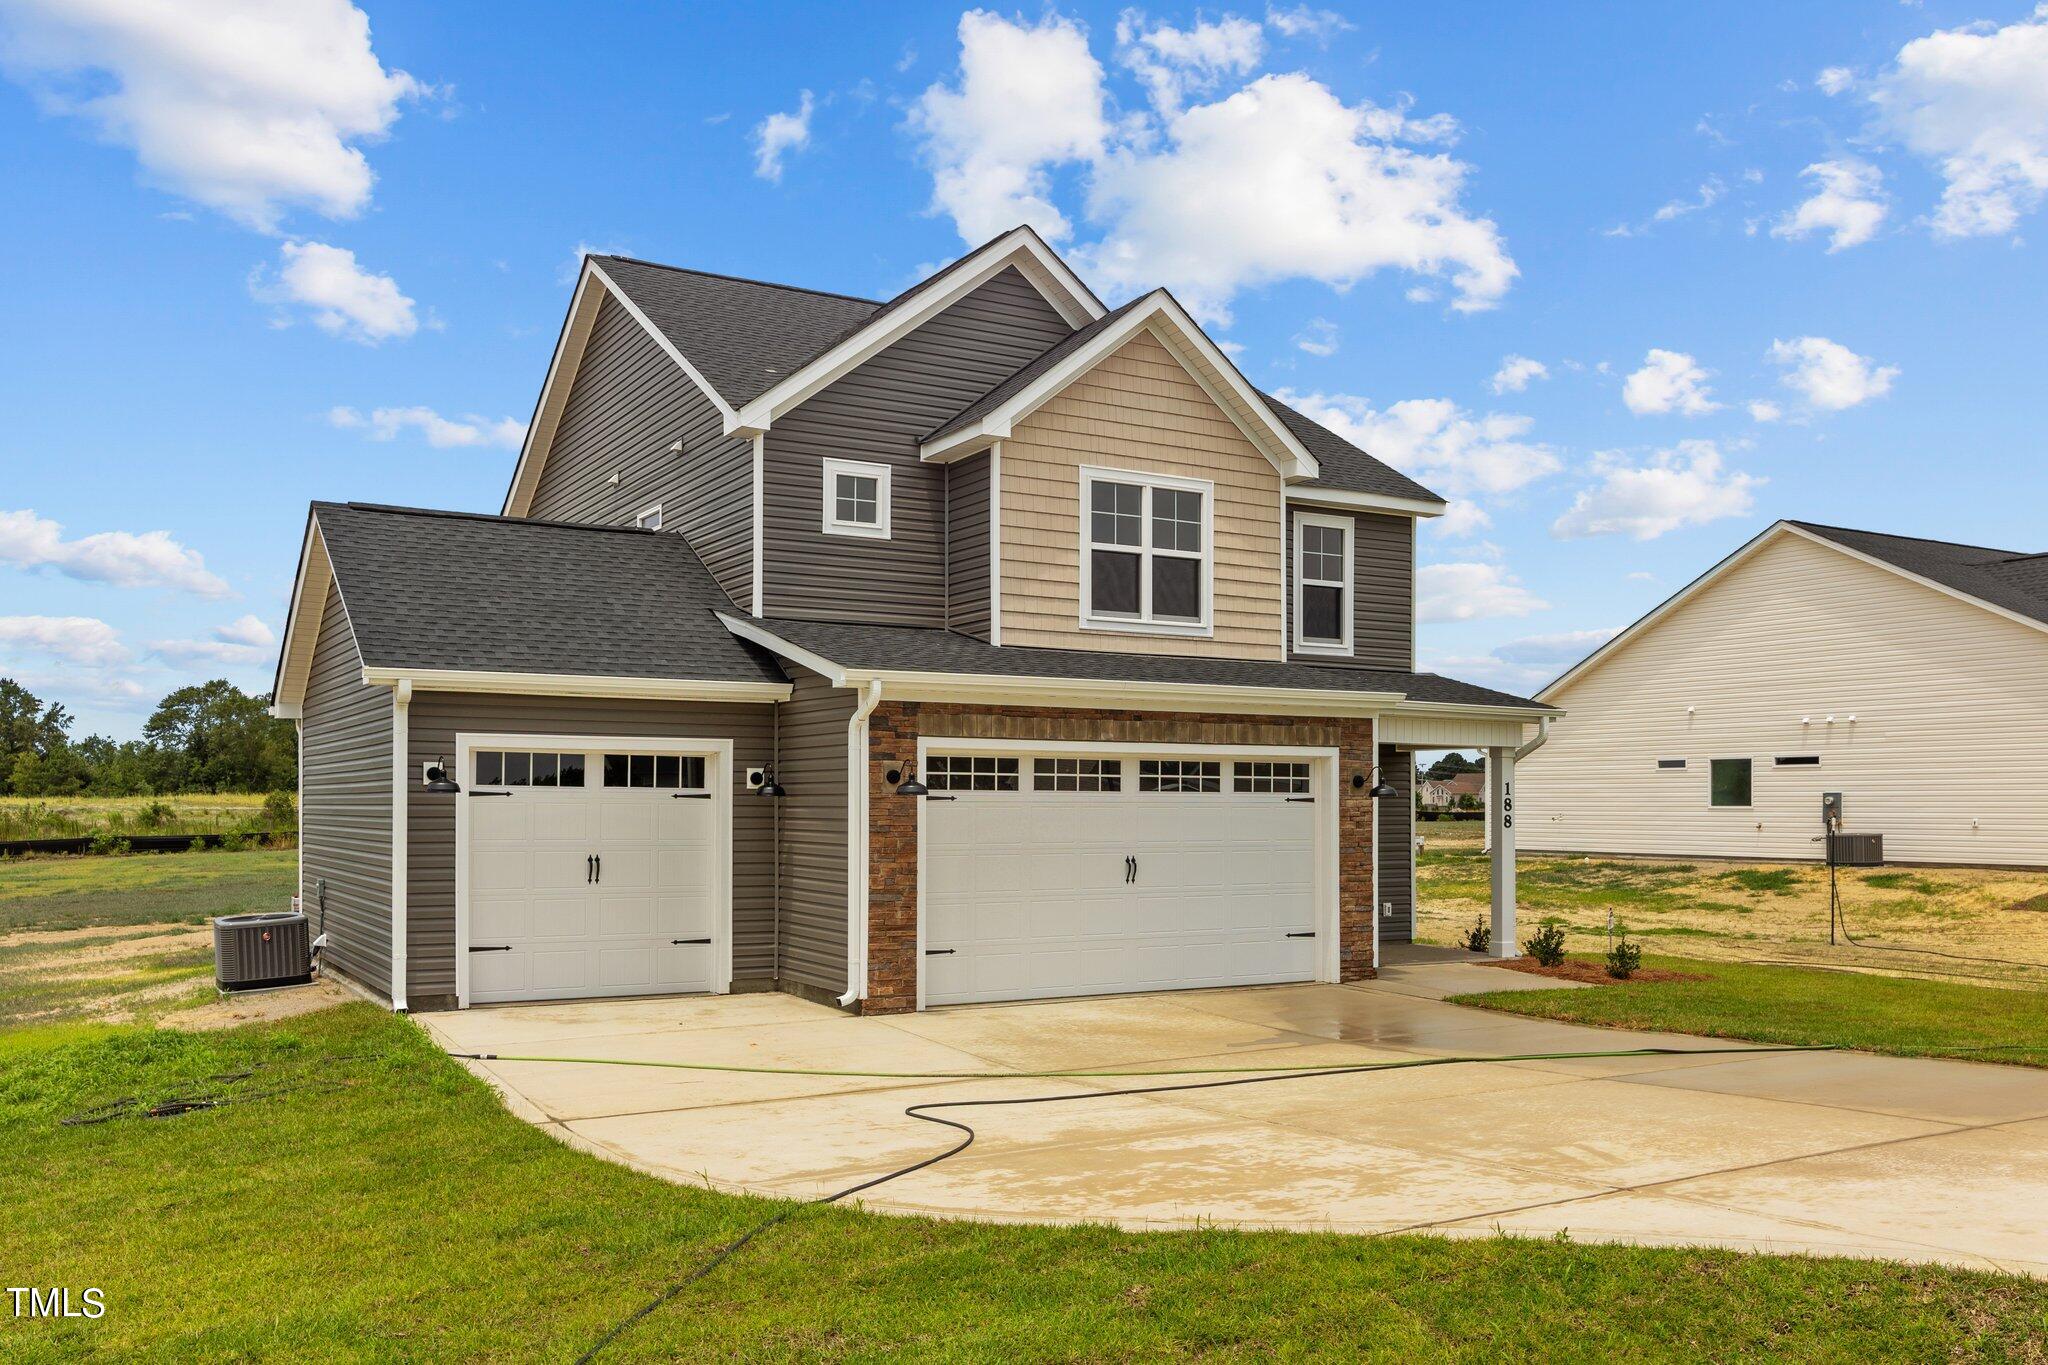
{"x": 1500, "y": 830}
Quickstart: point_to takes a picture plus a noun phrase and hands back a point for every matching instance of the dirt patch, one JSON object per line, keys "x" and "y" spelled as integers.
{"x": 1592, "y": 973}
{"x": 93, "y": 958}
{"x": 258, "y": 1007}
{"x": 97, "y": 931}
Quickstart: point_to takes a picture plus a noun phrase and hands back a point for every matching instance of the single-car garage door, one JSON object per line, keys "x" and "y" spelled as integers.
{"x": 1055, "y": 874}
{"x": 593, "y": 871}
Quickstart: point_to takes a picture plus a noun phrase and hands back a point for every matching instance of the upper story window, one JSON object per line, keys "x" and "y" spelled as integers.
{"x": 1146, "y": 555}
{"x": 649, "y": 520}
{"x": 856, "y": 499}
{"x": 1322, "y": 583}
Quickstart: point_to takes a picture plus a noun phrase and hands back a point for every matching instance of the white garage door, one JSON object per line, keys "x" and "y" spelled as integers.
{"x": 594, "y": 872}
{"x": 1050, "y": 875}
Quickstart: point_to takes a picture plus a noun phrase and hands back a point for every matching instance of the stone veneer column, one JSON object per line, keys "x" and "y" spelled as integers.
{"x": 893, "y": 730}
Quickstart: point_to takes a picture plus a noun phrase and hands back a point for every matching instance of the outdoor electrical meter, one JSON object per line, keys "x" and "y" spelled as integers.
{"x": 1831, "y": 810}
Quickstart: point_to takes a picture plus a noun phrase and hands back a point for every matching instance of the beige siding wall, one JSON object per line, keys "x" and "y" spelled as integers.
{"x": 1947, "y": 758}
{"x": 1137, "y": 410}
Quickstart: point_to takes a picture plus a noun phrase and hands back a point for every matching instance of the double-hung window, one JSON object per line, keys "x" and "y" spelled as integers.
{"x": 1322, "y": 583}
{"x": 856, "y": 499}
{"x": 1145, "y": 552}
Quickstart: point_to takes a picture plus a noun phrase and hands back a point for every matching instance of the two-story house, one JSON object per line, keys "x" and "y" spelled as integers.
{"x": 985, "y": 643}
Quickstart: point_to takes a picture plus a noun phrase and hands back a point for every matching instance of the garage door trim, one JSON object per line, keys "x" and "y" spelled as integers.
{"x": 717, "y": 754}
{"x": 1323, "y": 784}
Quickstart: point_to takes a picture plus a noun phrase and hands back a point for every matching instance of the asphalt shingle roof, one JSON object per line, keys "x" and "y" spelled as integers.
{"x": 1344, "y": 466}
{"x": 2010, "y": 579}
{"x": 931, "y": 650}
{"x": 459, "y": 590}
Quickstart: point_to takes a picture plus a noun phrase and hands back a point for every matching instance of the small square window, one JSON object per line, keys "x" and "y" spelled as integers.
{"x": 518, "y": 770}
{"x": 856, "y": 499}
{"x": 490, "y": 767}
{"x": 641, "y": 770}
{"x": 570, "y": 770}
{"x": 616, "y": 770}
{"x": 545, "y": 769}
{"x": 649, "y": 520}
{"x": 668, "y": 771}
{"x": 1728, "y": 782}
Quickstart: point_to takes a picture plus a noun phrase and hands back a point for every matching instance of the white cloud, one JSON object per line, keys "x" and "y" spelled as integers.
{"x": 1709, "y": 193}
{"x": 247, "y": 629}
{"x": 74, "y": 639}
{"x": 1833, "y": 80}
{"x": 1849, "y": 204}
{"x": 210, "y": 652}
{"x": 1683, "y": 486}
{"x": 121, "y": 558}
{"x": 1186, "y": 197}
{"x": 1764, "y": 410}
{"x": 1525, "y": 664}
{"x": 1669, "y": 381}
{"x": 1830, "y": 375}
{"x": 1516, "y": 371}
{"x": 1319, "y": 337}
{"x": 345, "y": 299}
{"x": 442, "y": 433}
{"x": 1451, "y": 450}
{"x": 572, "y": 266}
{"x": 1974, "y": 101}
{"x": 1462, "y": 518}
{"x": 1028, "y": 98}
{"x": 1471, "y": 592}
{"x": 779, "y": 134}
{"x": 1302, "y": 21}
{"x": 246, "y": 106}
{"x": 1174, "y": 63}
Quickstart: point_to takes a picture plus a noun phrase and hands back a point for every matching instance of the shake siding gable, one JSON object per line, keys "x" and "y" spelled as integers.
{"x": 879, "y": 413}
{"x": 1139, "y": 410}
{"x": 345, "y": 804}
{"x": 628, "y": 405}
{"x": 1800, "y": 630}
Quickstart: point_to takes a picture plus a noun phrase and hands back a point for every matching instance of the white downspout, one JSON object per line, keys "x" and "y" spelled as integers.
{"x": 401, "y": 788}
{"x": 857, "y": 843}
{"x": 1542, "y": 738}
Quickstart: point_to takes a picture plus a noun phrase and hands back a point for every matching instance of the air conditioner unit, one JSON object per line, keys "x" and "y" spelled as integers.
{"x": 270, "y": 949}
{"x": 1859, "y": 850}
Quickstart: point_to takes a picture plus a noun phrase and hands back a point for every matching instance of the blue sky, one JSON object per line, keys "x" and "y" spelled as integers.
{"x": 307, "y": 250}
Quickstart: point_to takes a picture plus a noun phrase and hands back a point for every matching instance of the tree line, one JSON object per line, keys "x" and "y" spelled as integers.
{"x": 208, "y": 737}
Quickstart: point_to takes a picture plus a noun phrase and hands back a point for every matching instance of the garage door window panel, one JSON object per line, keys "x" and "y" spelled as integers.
{"x": 1077, "y": 775}
{"x": 970, "y": 773}
{"x": 1145, "y": 552}
{"x": 655, "y": 772}
{"x": 1180, "y": 775}
{"x": 521, "y": 768}
{"x": 1261, "y": 778}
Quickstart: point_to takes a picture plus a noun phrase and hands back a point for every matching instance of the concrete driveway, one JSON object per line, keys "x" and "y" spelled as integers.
{"x": 1801, "y": 1152}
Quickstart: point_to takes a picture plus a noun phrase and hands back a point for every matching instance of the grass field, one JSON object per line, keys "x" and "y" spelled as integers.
{"x": 1906, "y": 1017}
{"x": 1752, "y": 912}
{"x": 399, "y": 1213}
{"x": 122, "y": 938}
{"x": 72, "y": 817}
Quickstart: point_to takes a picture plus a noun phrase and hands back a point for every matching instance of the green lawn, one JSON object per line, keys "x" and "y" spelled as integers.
{"x": 77, "y": 893}
{"x": 369, "y": 1200}
{"x": 1910, "y": 1018}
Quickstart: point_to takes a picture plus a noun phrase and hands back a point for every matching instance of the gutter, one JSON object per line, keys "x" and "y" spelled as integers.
{"x": 401, "y": 786}
{"x": 857, "y": 842}
{"x": 1542, "y": 738}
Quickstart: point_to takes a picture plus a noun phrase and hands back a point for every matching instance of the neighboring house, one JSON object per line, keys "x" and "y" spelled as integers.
{"x": 1432, "y": 794}
{"x": 1459, "y": 791}
{"x": 980, "y": 644}
{"x": 1814, "y": 659}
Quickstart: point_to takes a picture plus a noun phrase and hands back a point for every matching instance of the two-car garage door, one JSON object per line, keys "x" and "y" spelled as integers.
{"x": 1049, "y": 875}
{"x": 593, "y": 869}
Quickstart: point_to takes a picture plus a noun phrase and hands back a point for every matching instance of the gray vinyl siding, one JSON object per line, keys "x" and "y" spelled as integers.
{"x": 437, "y": 717}
{"x": 1397, "y": 847}
{"x": 629, "y": 404}
{"x": 1382, "y": 591}
{"x": 878, "y": 413}
{"x": 968, "y": 608}
{"x": 811, "y": 764}
{"x": 345, "y": 804}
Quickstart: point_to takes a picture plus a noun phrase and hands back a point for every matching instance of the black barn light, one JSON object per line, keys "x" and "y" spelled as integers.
{"x": 439, "y": 783}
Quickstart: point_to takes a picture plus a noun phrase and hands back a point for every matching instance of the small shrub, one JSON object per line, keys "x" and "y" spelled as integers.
{"x": 234, "y": 843}
{"x": 1479, "y": 938}
{"x": 198, "y": 845}
{"x": 280, "y": 813}
{"x": 1624, "y": 957}
{"x": 155, "y": 815}
{"x": 1546, "y": 945}
{"x": 107, "y": 845}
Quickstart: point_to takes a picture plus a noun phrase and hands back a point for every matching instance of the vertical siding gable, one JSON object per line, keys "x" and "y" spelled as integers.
{"x": 1382, "y": 591}
{"x": 968, "y": 608}
{"x": 1799, "y": 631}
{"x": 345, "y": 804}
{"x": 1137, "y": 409}
{"x": 879, "y": 413}
{"x": 810, "y": 756}
{"x": 627, "y": 405}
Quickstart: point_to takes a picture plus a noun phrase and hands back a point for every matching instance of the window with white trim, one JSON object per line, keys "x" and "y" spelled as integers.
{"x": 1322, "y": 583}
{"x": 1146, "y": 560}
{"x": 649, "y": 520}
{"x": 856, "y": 497}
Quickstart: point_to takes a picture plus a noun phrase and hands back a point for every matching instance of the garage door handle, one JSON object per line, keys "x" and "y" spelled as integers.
{"x": 1301, "y": 800}
{"x": 598, "y": 858}
{"x": 940, "y": 952}
{"x": 685, "y": 942}
{"x": 691, "y": 796}
{"x": 1130, "y": 869}
{"x": 492, "y": 948}
{"x": 477, "y": 793}
{"x": 589, "y": 868}
{"x": 1310, "y": 934}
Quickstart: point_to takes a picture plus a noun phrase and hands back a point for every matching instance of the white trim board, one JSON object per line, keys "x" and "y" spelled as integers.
{"x": 717, "y": 777}
{"x": 578, "y": 685}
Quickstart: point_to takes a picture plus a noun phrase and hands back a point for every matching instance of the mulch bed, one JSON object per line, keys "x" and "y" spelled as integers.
{"x": 1593, "y": 973}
